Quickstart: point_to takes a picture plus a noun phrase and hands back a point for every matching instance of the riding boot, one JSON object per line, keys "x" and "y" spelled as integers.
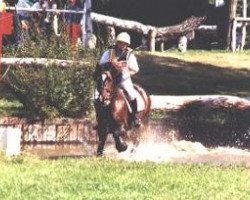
{"x": 135, "y": 121}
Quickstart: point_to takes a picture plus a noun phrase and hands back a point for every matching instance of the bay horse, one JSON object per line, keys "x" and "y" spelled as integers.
{"x": 113, "y": 113}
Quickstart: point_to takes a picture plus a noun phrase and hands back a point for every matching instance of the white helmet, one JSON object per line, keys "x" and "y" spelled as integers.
{"x": 123, "y": 37}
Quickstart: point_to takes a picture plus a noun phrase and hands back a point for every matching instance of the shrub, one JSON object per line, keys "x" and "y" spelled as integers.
{"x": 50, "y": 91}
{"x": 53, "y": 91}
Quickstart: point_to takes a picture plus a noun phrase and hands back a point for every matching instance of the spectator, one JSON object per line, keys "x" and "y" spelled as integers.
{"x": 25, "y": 19}
{"x": 2, "y": 6}
{"x": 72, "y": 22}
{"x": 46, "y": 22}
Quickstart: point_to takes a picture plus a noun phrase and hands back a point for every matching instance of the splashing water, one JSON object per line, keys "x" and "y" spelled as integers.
{"x": 183, "y": 152}
{"x": 159, "y": 150}
{"x": 159, "y": 146}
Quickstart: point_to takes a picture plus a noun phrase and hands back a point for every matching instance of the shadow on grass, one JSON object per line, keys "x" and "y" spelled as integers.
{"x": 214, "y": 125}
{"x": 171, "y": 76}
{"x": 9, "y": 105}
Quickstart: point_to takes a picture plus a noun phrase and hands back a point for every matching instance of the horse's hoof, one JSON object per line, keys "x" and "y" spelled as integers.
{"x": 122, "y": 147}
{"x": 99, "y": 154}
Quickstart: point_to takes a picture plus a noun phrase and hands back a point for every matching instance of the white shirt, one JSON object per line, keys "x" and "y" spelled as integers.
{"x": 132, "y": 64}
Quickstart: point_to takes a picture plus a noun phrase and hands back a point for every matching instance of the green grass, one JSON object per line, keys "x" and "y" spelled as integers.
{"x": 195, "y": 72}
{"x": 102, "y": 178}
{"x": 9, "y": 105}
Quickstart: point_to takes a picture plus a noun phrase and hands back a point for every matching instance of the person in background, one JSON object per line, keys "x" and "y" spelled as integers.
{"x": 121, "y": 57}
{"x": 24, "y": 17}
{"x": 72, "y": 22}
{"x": 45, "y": 21}
{"x": 2, "y": 6}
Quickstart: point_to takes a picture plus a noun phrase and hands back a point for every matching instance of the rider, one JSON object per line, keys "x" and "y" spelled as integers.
{"x": 121, "y": 57}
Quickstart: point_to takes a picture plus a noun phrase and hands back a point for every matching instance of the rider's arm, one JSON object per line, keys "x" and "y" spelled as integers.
{"x": 104, "y": 59}
{"x": 132, "y": 64}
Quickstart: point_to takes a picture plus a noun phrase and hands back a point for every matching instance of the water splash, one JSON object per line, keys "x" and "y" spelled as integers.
{"x": 186, "y": 152}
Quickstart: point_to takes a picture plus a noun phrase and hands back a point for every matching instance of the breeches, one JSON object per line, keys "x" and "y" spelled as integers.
{"x": 128, "y": 86}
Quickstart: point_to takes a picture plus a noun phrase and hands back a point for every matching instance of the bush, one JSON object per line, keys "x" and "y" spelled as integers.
{"x": 53, "y": 91}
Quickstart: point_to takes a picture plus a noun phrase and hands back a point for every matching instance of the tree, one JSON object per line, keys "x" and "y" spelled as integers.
{"x": 231, "y": 6}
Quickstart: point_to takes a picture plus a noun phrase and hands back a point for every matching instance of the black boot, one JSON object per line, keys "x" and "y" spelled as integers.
{"x": 135, "y": 121}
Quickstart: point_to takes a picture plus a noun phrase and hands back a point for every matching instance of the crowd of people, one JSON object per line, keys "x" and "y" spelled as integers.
{"x": 30, "y": 24}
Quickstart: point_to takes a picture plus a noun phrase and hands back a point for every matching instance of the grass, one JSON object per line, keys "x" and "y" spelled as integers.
{"x": 195, "y": 73}
{"x": 9, "y": 105}
{"x": 168, "y": 73}
{"x": 101, "y": 178}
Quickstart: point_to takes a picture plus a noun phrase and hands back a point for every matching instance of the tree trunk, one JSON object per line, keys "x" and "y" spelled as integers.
{"x": 231, "y": 13}
{"x": 243, "y": 28}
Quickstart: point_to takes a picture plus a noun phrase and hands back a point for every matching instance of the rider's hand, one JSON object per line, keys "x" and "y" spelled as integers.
{"x": 119, "y": 65}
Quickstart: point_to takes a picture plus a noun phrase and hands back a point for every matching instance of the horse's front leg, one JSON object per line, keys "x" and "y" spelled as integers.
{"x": 119, "y": 144}
{"x": 102, "y": 137}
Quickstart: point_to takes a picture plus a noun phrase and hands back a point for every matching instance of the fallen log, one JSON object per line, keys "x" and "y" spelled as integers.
{"x": 175, "y": 31}
{"x": 39, "y": 61}
{"x": 162, "y": 33}
{"x": 122, "y": 23}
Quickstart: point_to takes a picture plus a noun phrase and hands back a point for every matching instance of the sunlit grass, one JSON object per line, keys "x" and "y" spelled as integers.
{"x": 195, "y": 72}
{"x": 102, "y": 178}
{"x": 218, "y": 58}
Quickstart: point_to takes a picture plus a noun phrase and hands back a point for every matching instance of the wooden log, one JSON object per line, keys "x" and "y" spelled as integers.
{"x": 121, "y": 23}
{"x": 162, "y": 33}
{"x": 39, "y": 61}
{"x": 175, "y": 31}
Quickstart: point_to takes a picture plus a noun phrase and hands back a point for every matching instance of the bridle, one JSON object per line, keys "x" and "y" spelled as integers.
{"x": 107, "y": 88}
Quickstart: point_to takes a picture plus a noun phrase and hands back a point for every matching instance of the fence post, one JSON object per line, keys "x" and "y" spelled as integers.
{"x": 87, "y": 29}
{"x": 83, "y": 23}
{"x": 151, "y": 38}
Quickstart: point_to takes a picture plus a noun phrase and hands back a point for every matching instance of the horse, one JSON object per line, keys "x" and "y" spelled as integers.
{"x": 113, "y": 113}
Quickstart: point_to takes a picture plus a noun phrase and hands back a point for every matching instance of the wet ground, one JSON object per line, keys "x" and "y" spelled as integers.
{"x": 207, "y": 129}
{"x": 158, "y": 144}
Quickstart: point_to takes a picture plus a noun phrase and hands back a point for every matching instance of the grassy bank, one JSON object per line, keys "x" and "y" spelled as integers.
{"x": 101, "y": 178}
{"x": 195, "y": 72}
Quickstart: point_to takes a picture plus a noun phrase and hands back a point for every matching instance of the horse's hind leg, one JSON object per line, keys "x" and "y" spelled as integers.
{"x": 120, "y": 146}
{"x": 135, "y": 139}
{"x": 102, "y": 137}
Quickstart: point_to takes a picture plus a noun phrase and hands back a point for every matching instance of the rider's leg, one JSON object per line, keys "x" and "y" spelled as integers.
{"x": 128, "y": 86}
{"x": 135, "y": 120}
{"x": 97, "y": 105}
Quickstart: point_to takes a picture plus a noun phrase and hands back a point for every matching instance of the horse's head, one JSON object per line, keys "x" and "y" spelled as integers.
{"x": 107, "y": 87}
